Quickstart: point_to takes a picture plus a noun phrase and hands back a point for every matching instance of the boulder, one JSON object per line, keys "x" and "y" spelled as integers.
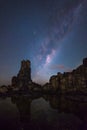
{"x": 3, "y": 89}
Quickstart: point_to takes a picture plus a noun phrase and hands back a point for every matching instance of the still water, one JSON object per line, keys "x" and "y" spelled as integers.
{"x": 47, "y": 112}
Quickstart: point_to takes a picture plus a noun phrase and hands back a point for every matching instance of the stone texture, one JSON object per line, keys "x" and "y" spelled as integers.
{"x": 85, "y": 62}
{"x": 3, "y": 89}
{"x": 25, "y": 71}
{"x": 47, "y": 87}
{"x": 23, "y": 79}
{"x": 70, "y": 81}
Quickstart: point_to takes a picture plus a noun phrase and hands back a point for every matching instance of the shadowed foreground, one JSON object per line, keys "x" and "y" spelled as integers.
{"x": 42, "y": 112}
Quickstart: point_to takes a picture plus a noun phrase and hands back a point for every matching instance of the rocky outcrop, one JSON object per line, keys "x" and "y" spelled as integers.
{"x": 85, "y": 62}
{"x": 23, "y": 79}
{"x": 25, "y": 71}
{"x": 70, "y": 81}
{"x": 47, "y": 87}
{"x": 66, "y": 82}
{"x": 3, "y": 89}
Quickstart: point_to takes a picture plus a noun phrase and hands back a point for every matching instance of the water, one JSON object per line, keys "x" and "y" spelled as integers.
{"x": 40, "y": 113}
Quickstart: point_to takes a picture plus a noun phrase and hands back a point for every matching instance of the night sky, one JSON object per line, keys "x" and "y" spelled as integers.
{"x": 52, "y": 34}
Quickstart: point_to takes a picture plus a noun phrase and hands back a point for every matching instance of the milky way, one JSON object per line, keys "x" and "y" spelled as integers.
{"x": 52, "y": 34}
{"x": 62, "y": 19}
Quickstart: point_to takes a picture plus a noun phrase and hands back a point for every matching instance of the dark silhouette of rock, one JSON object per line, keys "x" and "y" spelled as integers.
{"x": 70, "y": 81}
{"x": 66, "y": 82}
{"x": 25, "y": 71}
{"x": 23, "y": 80}
{"x": 85, "y": 62}
{"x": 14, "y": 81}
{"x": 3, "y": 89}
{"x": 47, "y": 87}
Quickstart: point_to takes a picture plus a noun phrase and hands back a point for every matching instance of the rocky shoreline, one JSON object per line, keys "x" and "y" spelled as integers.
{"x": 74, "y": 82}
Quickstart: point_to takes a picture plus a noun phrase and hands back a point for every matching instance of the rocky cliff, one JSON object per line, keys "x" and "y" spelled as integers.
{"x": 23, "y": 79}
{"x": 69, "y": 81}
{"x": 64, "y": 82}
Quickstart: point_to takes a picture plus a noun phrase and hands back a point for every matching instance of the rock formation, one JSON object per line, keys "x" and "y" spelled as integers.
{"x": 66, "y": 82}
{"x": 25, "y": 71}
{"x": 85, "y": 62}
{"x": 70, "y": 81}
{"x": 3, "y": 89}
{"x": 23, "y": 79}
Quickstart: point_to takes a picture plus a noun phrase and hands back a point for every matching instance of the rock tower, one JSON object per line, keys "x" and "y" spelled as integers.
{"x": 23, "y": 78}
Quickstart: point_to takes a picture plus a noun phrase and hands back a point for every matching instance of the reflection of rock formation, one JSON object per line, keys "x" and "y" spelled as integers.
{"x": 64, "y": 104}
{"x": 67, "y": 106}
{"x": 68, "y": 81}
{"x": 59, "y": 103}
{"x": 23, "y": 104}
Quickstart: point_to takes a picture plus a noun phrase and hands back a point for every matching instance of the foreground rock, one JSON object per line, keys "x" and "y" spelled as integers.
{"x": 3, "y": 89}
{"x": 69, "y": 81}
{"x": 23, "y": 79}
{"x": 75, "y": 81}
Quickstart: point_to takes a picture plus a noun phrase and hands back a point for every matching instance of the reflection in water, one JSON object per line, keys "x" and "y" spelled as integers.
{"x": 51, "y": 112}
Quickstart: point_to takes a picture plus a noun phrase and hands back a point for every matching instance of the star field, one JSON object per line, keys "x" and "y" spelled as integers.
{"x": 50, "y": 33}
